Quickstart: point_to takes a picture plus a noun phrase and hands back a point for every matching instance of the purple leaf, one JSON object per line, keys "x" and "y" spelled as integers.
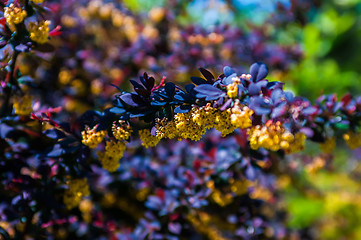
{"x": 208, "y": 75}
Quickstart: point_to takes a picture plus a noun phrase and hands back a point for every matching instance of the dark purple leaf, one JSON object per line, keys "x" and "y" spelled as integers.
{"x": 136, "y": 85}
{"x": 208, "y": 75}
{"x": 189, "y": 88}
{"x": 198, "y": 80}
{"x": 169, "y": 89}
{"x": 132, "y": 99}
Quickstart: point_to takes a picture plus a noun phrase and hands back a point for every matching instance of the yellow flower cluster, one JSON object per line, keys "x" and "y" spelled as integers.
{"x": 39, "y": 32}
{"x": 223, "y": 122}
{"x": 329, "y": 145}
{"x": 273, "y": 136}
{"x": 241, "y": 118}
{"x": 232, "y": 89}
{"x": 37, "y": 1}
{"x": 122, "y": 131}
{"x": 113, "y": 153}
{"x": 193, "y": 124}
{"x": 187, "y": 128}
{"x": 78, "y": 188}
{"x": 91, "y": 137}
{"x": 204, "y": 116}
{"x": 166, "y": 129}
{"x": 23, "y": 105}
{"x": 14, "y": 15}
{"x": 352, "y": 139}
{"x": 148, "y": 140}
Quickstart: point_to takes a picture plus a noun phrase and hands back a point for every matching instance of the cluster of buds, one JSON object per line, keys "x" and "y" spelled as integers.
{"x": 91, "y": 137}
{"x": 121, "y": 131}
{"x": 148, "y": 140}
{"x": 39, "y": 31}
{"x": 14, "y": 15}
{"x": 113, "y": 153}
{"x": 273, "y": 136}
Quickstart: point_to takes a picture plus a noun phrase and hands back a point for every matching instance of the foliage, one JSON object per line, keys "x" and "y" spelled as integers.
{"x": 229, "y": 156}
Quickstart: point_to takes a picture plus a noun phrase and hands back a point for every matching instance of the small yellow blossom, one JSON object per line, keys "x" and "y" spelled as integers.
{"x": 121, "y": 131}
{"x": 223, "y": 122}
{"x": 166, "y": 129}
{"x": 23, "y": 105}
{"x": 204, "y": 116}
{"x": 241, "y": 118}
{"x": 148, "y": 140}
{"x": 273, "y": 136}
{"x": 113, "y": 153}
{"x": 352, "y": 139}
{"x": 187, "y": 128}
{"x": 39, "y": 32}
{"x": 91, "y": 137}
{"x": 232, "y": 89}
{"x": 14, "y": 15}
{"x": 78, "y": 188}
{"x": 329, "y": 145}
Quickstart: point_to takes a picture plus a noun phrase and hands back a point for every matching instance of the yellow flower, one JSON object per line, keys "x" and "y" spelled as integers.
{"x": 14, "y": 15}
{"x": 353, "y": 140}
{"x": 232, "y": 89}
{"x": 204, "y": 116}
{"x": 148, "y": 140}
{"x": 122, "y": 132}
{"x": 23, "y": 105}
{"x": 223, "y": 122}
{"x": 39, "y": 32}
{"x": 273, "y": 136}
{"x": 187, "y": 128}
{"x": 113, "y": 153}
{"x": 166, "y": 129}
{"x": 78, "y": 188}
{"x": 241, "y": 118}
{"x": 91, "y": 137}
